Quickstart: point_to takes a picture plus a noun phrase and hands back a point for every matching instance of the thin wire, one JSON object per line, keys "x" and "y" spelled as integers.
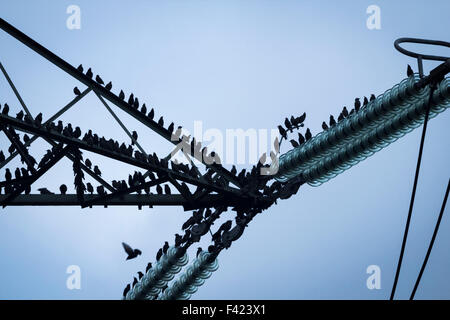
{"x": 430, "y": 247}
{"x": 413, "y": 194}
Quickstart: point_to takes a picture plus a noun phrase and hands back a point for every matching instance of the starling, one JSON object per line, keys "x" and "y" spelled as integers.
{"x": 8, "y": 175}
{"x": 161, "y": 122}
{"x": 324, "y": 126}
{"x": 88, "y": 163}
{"x": 80, "y": 68}
{"x": 357, "y": 104}
{"x": 2, "y": 156}
{"x": 345, "y": 112}
{"x": 89, "y": 73}
{"x": 294, "y": 143}
{"x": 140, "y": 274}
{"x": 19, "y": 115}
{"x": 159, "y": 189}
{"x": 44, "y": 191}
{"x": 132, "y": 253}
{"x": 151, "y": 114}
{"x": 125, "y": 291}
{"x": 409, "y": 71}
{"x": 149, "y": 266}
{"x": 134, "y": 135}
{"x": 198, "y": 251}
{"x": 121, "y": 95}
{"x": 135, "y": 281}
{"x": 63, "y": 189}
{"x": 301, "y": 139}
{"x": 99, "y": 80}
{"x": 332, "y": 121}
{"x": 365, "y": 101}
{"x": 108, "y": 86}
{"x": 90, "y": 188}
{"x": 159, "y": 254}
{"x": 165, "y": 247}
{"x": 167, "y": 189}
{"x": 372, "y": 97}
{"x": 97, "y": 171}
{"x": 308, "y": 134}
{"x": 5, "y": 109}
{"x": 283, "y": 132}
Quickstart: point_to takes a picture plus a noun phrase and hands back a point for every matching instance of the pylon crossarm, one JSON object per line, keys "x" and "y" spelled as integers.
{"x": 53, "y": 135}
{"x": 57, "y": 154}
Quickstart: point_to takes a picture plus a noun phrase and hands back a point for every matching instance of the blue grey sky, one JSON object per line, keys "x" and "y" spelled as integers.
{"x": 230, "y": 64}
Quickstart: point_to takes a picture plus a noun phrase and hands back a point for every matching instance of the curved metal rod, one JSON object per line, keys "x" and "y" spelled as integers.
{"x": 422, "y": 41}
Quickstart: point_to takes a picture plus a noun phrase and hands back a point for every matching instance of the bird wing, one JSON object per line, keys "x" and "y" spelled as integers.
{"x": 127, "y": 248}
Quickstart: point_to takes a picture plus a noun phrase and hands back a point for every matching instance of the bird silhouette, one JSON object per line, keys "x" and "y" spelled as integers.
{"x": 97, "y": 171}
{"x": 282, "y": 131}
{"x": 198, "y": 251}
{"x": 26, "y": 138}
{"x": 88, "y": 163}
{"x": 80, "y": 68}
{"x": 99, "y": 80}
{"x": 324, "y": 126}
{"x": 135, "y": 281}
{"x": 365, "y": 101}
{"x": 159, "y": 254}
{"x": 144, "y": 109}
{"x": 140, "y": 274}
{"x": 131, "y": 99}
{"x": 132, "y": 253}
{"x": 151, "y": 114}
{"x": 294, "y": 143}
{"x": 409, "y": 71}
{"x": 161, "y": 122}
{"x": 372, "y": 97}
{"x": 126, "y": 290}
{"x": 159, "y": 190}
{"x": 345, "y": 112}
{"x": 5, "y": 109}
{"x": 135, "y": 137}
{"x": 332, "y": 121}
{"x": 89, "y": 73}
{"x": 121, "y": 95}
{"x": 2, "y": 156}
{"x": 90, "y": 188}
{"x": 19, "y": 115}
{"x": 149, "y": 266}
{"x": 44, "y": 191}
{"x": 108, "y": 86}
{"x": 165, "y": 247}
{"x": 167, "y": 189}
{"x": 357, "y": 104}
{"x": 63, "y": 189}
{"x": 308, "y": 134}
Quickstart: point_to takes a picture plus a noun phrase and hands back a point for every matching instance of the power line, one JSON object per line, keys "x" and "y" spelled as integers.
{"x": 430, "y": 247}
{"x": 413, "y": 194}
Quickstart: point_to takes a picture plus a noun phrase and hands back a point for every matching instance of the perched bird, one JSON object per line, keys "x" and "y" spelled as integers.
{"x": 44, "y": 191}
{"x": 308, "y": 134}
{"x": 90, "y": 188}
{"x": 294, "y": 143}
{"x": 365, "y": 101}
{"x": 165, "y": 247}
{"x": 88, "y": 163}
{"x": 135, "y": 281}
{"x": 2, "y": 156}
{"x": 63, "y": 189}
{"x": 345, "y": 112}
{"x": 131, "y": 99}
{"x": 121, "y": 95}
{"x": 149, "y": 266}
{"x": 135, "y": 137}
{"x": 372, "y": 97}
{"x": 97, "y": 171}
{"x": 76, "y": 91}
{"x": 340, "y": 117}
{"x": 5, "y": 109}
{"x": 144, "y": 109}
{"x": 89, "y": 73}
{"x": 108, "y": 86}
{"x": 332, "y": 121}
{"x": 324, "y": 126}
{"x": 125, "y": 291}
{"x": 19, "y": 115}
{"x": 170, "y": 127}
{"x": 159, "y": 254}
{"x": 357, "y": 104}
{"x": 132, "y": 253}
{"x": 80, "y": 68}
{"x": 409, "y": 71}
{"x": 101, "y": 190}
{"x": 17, "y": 174}
{"x": 159, "y": 189}
{"x": 99, "y": 80}
{"x": 140, "y": 274}
{"x": 167, "y": 189}
{"x": 198, "y": 251}
{"x": 301, "y": 138}
{"x": 26, "y": 138}
{"x": 283, "y": 132}
{"x": 151, "y": 114}
{"x": 161, "y": 122}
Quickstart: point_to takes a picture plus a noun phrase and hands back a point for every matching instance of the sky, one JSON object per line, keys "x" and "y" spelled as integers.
{"x": 230, "y": 65}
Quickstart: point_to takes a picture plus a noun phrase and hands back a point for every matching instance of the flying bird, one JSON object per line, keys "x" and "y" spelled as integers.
{"x": 132, "y": 253}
